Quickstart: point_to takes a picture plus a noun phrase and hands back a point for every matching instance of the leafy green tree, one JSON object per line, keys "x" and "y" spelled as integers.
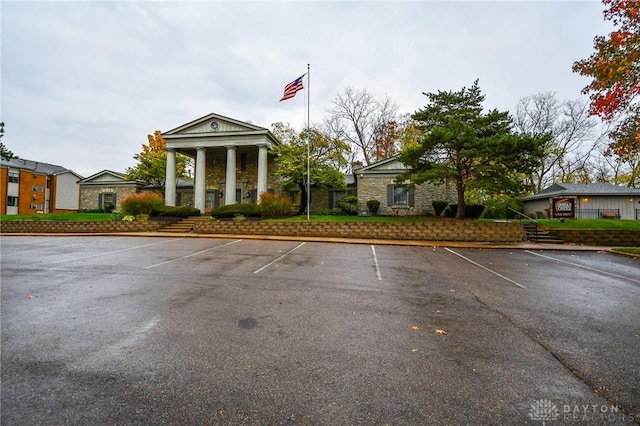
{"x": 152, "y": 163}
{"x": 476, "y": 149}
{"x": 5, "y": 154}
{"x": 327, "y": 157}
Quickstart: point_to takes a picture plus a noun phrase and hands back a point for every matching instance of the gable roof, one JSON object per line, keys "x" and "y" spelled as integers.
{"x": 225, "y": 126}
{"x": 109, "y": 178}
{"x": 388, "y": 166}
{"x": 35, "y": 166}
{"x": 580, "y": 189}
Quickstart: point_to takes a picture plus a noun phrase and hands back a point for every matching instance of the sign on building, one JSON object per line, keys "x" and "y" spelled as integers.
{"x": 564, "y": 208}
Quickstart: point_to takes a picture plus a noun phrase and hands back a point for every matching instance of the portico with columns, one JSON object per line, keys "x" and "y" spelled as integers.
{"x": 232, "y": 161}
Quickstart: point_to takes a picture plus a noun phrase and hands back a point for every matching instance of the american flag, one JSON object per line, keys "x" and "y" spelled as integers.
{"x": 292, "y": 88}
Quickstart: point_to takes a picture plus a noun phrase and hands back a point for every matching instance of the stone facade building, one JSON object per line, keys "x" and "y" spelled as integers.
{"x": 377, "y": 182}
{"x": 232, "y": 161}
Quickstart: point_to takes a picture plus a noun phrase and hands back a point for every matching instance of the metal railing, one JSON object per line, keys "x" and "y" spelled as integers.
{"x": 598, "y": 214}
{"x": 521, "y": 216}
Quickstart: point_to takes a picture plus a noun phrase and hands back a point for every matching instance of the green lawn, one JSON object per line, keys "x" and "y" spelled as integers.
{"x": 630, "y": 250}
{"x": 340, "y": 218}
{"x": 63, "y": 217}
{"x": 591, "y": 224}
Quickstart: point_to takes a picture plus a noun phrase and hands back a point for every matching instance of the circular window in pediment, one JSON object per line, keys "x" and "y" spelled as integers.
{"x": 214, "y": 125}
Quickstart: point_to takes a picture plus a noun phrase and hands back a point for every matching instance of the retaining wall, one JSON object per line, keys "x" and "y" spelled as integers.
{"x": 424, "y": 231}
{"x": 617, "y": 238}
{"x": 55, "y": 227}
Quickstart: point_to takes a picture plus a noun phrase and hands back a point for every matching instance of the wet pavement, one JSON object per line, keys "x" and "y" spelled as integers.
{"x": 191, "y": 331}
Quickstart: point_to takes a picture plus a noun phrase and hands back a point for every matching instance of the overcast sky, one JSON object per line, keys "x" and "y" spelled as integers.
{"x": 83, "y": 83}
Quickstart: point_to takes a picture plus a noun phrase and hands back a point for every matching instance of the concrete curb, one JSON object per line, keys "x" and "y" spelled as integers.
{"x": 416, "y": 243}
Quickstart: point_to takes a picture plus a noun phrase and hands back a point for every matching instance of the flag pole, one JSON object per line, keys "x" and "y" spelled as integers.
{"x": 308, "y": 141}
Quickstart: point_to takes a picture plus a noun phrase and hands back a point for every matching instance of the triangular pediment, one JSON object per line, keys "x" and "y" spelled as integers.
{"x": 108, "y": 177}
{"x": 388, "y": 165}
{"x": 214, "y": 124}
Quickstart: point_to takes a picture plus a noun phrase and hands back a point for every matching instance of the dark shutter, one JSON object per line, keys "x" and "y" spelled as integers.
{"x": 216, "y": 198}
{"x": 412, "y": 197}
{"x": 389, "y": 195}
{"x": 100, "y": 201}
{"x": 238, "y": 195}
{"x": 332, "y": 198}
{"x": 254, "y": 196}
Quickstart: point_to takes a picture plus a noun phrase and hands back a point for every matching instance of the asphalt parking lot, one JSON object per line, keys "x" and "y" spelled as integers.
{"x": 188, "y": 331}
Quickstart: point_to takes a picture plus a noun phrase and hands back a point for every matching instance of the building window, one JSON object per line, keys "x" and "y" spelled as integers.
{"x": 107, "y": 201}
{"x": 400, "y": 195}
{"x": 14, "y": 177}
{"x": 36, "y": 188}
{"x": 12, "y": 201}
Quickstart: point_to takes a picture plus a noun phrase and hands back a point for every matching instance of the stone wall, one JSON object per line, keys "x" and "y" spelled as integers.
{"x": 55, "y": 227}
{"x": 89, "y": 195}
{"x": 422, "y": 231}
{"x": 375, "y": 188}
{"x": 616, "y": 238}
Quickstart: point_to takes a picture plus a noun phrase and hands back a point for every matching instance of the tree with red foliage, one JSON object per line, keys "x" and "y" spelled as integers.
{"x": 615, "y": 69}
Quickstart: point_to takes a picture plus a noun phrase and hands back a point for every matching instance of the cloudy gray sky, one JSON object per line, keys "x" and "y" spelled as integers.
{"x": 83, "y": 83}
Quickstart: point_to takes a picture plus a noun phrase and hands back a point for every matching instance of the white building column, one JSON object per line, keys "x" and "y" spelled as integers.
{"x": 230, "y": 187}
{"x": 201, "y": 173}
{"x": 262, "y": 170}
{"x": 170, "y": 179}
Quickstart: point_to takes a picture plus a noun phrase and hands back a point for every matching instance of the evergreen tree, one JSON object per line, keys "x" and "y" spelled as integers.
{"x": 476, "y": 149}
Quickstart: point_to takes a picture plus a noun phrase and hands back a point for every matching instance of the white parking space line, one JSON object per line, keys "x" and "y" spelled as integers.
{"x": 35, "y": 250}
{"x": 192, "y": 254}
{"x": 375, "y": 262}
{"x": 117, "y": 251}
{"x": 485, "y": 268}
{"x": 275, "y": 260}
{"x": 583, "y": 267}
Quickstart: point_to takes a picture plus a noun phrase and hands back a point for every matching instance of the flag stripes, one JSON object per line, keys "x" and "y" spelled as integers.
{"x": 292, "y": 88}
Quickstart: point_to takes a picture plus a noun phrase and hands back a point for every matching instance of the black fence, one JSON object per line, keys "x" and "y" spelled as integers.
{"x": 599, "y": 214}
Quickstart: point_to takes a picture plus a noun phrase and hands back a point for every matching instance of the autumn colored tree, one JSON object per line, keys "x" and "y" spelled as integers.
{"x": 615, "y": 69}
{"x": 152, "y": 163}
{"x": 327, "y": 157}
{"x": 476, "y": 149}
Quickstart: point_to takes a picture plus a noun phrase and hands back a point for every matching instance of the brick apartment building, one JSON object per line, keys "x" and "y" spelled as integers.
{"x": 28, "y": 186}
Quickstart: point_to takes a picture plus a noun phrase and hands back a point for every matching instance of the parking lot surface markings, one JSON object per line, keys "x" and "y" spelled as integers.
{"x": 583, "y": 266}
{"x": 117, "y": 251}
{"x": 375, "y": 262}
{"x": 192, "y": 254}
{"x": 484, "y": 267}
{"x": 277, "y": 259}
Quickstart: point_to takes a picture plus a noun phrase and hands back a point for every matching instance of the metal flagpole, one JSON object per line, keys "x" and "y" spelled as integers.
{"x": 308, "y": 142}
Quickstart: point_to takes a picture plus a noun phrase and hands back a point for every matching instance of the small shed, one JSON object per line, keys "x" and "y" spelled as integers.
{"x": 584, "y": 201}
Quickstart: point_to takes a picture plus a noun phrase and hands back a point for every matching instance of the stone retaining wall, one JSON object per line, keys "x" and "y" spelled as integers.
{"x": 55, "y": 227}
{"x": 424, "y": 231}
{"x": 617, "y": 238}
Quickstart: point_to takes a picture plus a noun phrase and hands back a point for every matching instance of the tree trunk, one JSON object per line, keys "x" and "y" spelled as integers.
{"x": 303, "y": 198}
{"x": 460, "y": 186}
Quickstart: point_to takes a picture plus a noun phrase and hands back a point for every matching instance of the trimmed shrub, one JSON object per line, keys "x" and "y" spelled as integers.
{"x": 275, "y": 205}
{"x": 349, "y": 205}
{"x": 373, "y": 206}
{"x": 473, "y": 211}
{"x": 451, "y": 210}
{"x": 175, "y": 211}
{"x": 140, "y": 203}
{"x": 439, "y": 206}
{"x": 231, "y": 210}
